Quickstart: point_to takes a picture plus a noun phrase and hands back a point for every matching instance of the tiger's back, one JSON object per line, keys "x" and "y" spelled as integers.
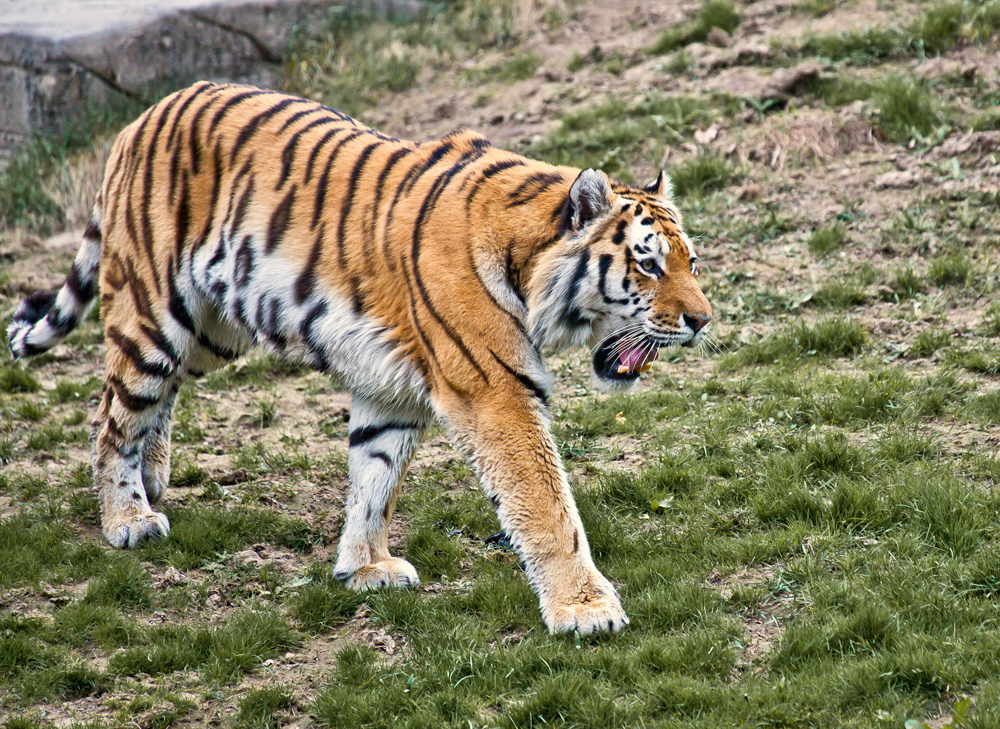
{"x": 425, "y": 276}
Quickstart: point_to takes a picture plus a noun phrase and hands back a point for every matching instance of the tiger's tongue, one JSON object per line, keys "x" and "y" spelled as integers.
{"x": 631, "y": 359}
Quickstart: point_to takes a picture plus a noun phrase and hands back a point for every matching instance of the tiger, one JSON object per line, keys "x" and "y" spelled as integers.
{"x": 427, "y": 277}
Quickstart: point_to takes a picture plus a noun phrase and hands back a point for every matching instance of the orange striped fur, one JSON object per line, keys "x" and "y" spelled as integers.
{"x": 427, "y": 277}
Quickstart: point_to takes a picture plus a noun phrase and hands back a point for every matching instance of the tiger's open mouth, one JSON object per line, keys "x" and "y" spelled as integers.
{"x": 623, "y": 357}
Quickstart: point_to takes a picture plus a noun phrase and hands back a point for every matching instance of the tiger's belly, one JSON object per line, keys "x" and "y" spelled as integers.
{"x": 249, "y": 298}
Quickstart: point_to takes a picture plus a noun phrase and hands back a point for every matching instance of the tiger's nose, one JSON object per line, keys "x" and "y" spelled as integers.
{"x": 695, "y": 322}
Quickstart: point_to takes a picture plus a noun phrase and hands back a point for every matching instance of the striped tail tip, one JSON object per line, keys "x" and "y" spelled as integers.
{"x": 31, "y": 322}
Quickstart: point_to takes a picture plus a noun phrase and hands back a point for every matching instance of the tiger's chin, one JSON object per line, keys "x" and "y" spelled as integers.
{"x": 619, "y": 361}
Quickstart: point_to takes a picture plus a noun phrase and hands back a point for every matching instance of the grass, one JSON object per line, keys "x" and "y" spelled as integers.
{"x": 824, "y": 241}
{"x": 24, "y": 198}
{"x": 702, "y": 174}
{"x": 905, "y": 107}
{"x": 616, "y": 133}
{"x": 834, "y": 337}
{"x": 355, "y": 59}
{"x": 713, "y": 14}
{"x": 940, "y": 28}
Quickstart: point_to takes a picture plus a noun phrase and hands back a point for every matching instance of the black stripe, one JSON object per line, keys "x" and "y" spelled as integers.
{"x": 305, "y": 330}
{"x": 140, "y": 294}
{"x": 288, "y": 153}
{"x": 131, "y": 349}
{"x": 317, "y": 147}
{"x": 216, "y": 349}
{"x": 393, "y": 160}
{"x": 243, "y": 265}
{"x": 494, "y": 169}
{"x": 131, "y": 401}
{"x": 176, "y": 306}
{"x": 384, "y": 457}
{"x": 84, "y": 291}
{"x": 366, "y": 433}
{"x": 429, "y": 202}
{"x": 579, "y": 272}
{"x": 93, "y": 231}
{"x": 62, "y": 321}
{"x": 603, "y": 265}
{"x": 296, "y": 116}
{"x": 201, "y": 88}
{"x": 160, "y": 341}
{"x": 182, "y": 219}
{"x": 532, "y": 187}
{"x": 216, "y": 175}
{"x": 533, "y": 387}
{"x": 280, "y": 219}
{"x": 619, "y": 236}
{"x": 306, "y": 281}
{"x": 273, "y": 328}
{"x": 231, "y": 103}
{"x": 194, "y": 146}
{"x": 417, "y": 171}
{"x": 242, "y": 206}
{"x": 251, "y": 127}
{"x": 325, "y": 179}
{"x": 352, "y": 188}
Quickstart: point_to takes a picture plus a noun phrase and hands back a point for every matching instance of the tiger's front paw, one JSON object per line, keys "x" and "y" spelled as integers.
{"x": 129, "y": 532}
{"x": 392, "y": 572}
{"x": 602, "y": 613}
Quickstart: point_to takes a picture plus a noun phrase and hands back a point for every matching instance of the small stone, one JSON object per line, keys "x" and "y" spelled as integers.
{"x": 706, "y": 136}
{"x": 787, "y": 82}
{"x": 751, "y": 51}
{"x": 718, "y": 38}
{"x": 899, "y": 180}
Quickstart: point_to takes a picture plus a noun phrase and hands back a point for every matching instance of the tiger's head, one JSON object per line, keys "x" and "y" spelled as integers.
{"x": 623, "y": 279}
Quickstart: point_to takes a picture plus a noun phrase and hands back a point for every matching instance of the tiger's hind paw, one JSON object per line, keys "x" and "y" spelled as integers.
{"x": 130, "y": 532}
{"x": 391, "y": 572}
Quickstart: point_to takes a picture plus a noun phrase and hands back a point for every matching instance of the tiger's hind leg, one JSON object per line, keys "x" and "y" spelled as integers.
{"x": 130, "y": 437}
{"x": 382, "y": 443}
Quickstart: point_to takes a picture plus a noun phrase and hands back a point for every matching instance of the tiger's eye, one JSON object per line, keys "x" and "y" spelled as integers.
{"x": 647, "y": 265}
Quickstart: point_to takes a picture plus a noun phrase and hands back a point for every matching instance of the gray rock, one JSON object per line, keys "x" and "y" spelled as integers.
{"x": 787, "y": 82}
{"x": 58, "y": 57}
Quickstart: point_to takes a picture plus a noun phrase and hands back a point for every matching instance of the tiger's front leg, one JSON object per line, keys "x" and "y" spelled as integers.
{"x": 522, "y": 474}
{"x": 382, "y": 442}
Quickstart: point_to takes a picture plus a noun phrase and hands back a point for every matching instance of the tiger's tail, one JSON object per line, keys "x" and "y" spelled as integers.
{"x": 46, "y": 317}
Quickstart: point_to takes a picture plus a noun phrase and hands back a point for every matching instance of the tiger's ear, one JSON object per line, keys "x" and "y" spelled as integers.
{"x": 589, "y": 197}
{"x": 660, "y": 187}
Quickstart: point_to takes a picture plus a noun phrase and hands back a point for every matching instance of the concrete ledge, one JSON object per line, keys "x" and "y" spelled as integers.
{"x": 58, "y": 57}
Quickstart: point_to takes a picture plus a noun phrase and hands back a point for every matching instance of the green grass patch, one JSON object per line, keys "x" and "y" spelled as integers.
{"x": 834, "y": 337}
{"x": 14, "y": 378}
{"x": 955, "y": 268}
{"x": 713, "y": 14}
{"x": 200, "y": 533}
{"x": 824, "y": 241}
{"x": 928, "y": 342}
{"x": 124, "y": 583}
{"x": 221, "y": 654}
{"x": 258, "y": 707}
{"x": 614, "y": 135}
{"x": 703, "y": 173}
{"x": 355, "y": 58}
{"x": 324, "y": 602}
